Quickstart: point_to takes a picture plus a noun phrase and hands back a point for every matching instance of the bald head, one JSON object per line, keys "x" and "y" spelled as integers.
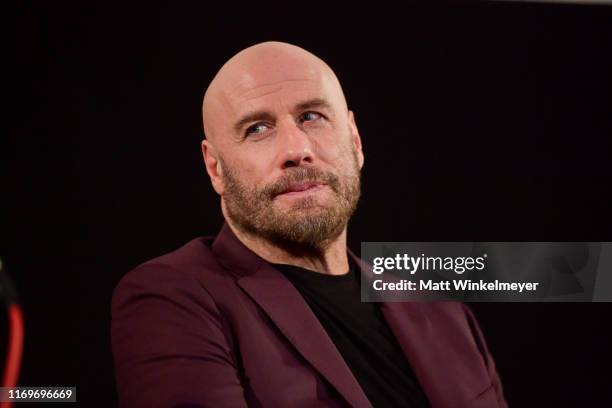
{"x": 261, "y": 70}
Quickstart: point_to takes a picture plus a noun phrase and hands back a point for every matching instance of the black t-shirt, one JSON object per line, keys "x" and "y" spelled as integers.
{"x": 361, "y": 334}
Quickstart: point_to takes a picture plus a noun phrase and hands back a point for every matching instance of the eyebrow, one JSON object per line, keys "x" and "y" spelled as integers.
{"x": 313, "y": 103}
{"x": 267, "y": 115}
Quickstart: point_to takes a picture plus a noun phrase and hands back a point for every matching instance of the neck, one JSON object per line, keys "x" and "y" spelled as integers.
{"x": 330, "y": 258}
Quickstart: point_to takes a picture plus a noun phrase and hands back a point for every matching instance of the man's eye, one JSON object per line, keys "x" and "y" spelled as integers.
{"x": 310, "y": 116}
{"x": 256, "y": 129}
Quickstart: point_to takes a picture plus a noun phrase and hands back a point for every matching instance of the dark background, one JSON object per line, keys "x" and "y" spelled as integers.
{"x": 480, "y": 121}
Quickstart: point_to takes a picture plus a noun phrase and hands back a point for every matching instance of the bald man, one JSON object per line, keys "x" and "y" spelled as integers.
{"x": 268, "y": 312}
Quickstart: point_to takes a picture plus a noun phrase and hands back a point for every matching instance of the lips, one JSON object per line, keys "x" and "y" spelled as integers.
{"x": 302, "y": 187}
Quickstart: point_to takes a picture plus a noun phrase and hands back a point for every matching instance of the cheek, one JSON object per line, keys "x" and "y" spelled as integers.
{"x": 336, "y": 151}
{"x": 246, "y": 170}
{"x": 331, "y": 147}
{"x": 328, "y": 154}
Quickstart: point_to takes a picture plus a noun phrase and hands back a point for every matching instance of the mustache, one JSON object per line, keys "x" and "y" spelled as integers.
{"x": 301, "y": 175}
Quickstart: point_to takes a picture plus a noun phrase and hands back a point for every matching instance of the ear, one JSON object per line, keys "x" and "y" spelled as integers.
{"x": 213, "y": 166}
{"x": 355, "y": 138}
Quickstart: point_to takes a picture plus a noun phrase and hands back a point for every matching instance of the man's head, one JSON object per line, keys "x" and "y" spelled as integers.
{"x": 282, "y": 149}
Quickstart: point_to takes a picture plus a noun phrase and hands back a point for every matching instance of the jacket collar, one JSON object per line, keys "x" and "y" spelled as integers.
{"x": 281, "y": 301}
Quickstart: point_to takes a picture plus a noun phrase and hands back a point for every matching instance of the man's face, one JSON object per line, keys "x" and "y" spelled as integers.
{"x": 289, "y": 156}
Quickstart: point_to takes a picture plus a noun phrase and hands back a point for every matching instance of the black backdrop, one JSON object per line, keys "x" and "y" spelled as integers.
{"x": 480, "y": 121}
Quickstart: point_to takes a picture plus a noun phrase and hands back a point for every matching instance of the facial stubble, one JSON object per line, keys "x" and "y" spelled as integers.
{"x": 307, "y": 223}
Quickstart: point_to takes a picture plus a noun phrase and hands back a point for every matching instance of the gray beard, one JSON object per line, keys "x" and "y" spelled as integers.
{"x": 307, "y": 224}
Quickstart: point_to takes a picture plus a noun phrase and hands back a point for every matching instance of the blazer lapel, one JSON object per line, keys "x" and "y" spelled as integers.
{"x": 424, "y": 351}
{"x": 279, "y": 299}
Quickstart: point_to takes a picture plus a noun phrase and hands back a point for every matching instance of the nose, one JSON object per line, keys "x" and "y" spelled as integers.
{"x": 295, "y": 146}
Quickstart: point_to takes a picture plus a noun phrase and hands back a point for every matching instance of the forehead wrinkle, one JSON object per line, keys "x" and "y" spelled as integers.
{"x": 247, "y": 100}
{"x": 277, "y": 84}
{"x": 247, "y": 97}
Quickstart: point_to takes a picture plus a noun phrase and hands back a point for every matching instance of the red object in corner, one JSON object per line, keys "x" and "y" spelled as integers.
{"x": 15, "y": 348}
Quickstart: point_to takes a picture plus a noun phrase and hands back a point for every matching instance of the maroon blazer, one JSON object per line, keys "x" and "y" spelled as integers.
{"x": 214, "y": 325}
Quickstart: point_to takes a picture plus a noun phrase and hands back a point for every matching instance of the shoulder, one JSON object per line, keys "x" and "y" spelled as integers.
{"x": 193, "y": 255}
{"x": 173, "y": 275}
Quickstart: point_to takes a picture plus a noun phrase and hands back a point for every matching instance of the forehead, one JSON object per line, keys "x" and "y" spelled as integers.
{"x": 273, "y": 89}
